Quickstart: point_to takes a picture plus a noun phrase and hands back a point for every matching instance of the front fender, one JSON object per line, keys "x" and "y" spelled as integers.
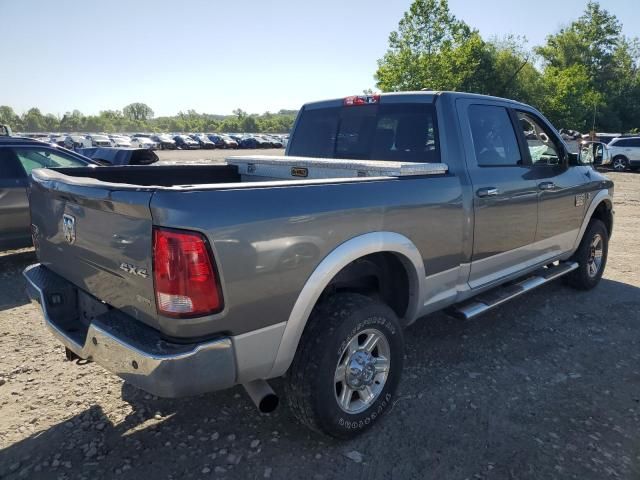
{"x": 600, "y": 197}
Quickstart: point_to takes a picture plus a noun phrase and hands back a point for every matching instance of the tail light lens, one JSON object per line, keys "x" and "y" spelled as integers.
{"x": 186, "y": 282}
{"x": 361, "y": 100}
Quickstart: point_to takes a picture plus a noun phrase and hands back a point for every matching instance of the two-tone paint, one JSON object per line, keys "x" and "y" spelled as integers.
{"x": 278, "y": 244}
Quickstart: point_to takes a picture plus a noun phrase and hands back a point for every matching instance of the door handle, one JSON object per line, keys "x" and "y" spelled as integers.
{"x": 546, "y": 186}
{"x": 487, "y": 192}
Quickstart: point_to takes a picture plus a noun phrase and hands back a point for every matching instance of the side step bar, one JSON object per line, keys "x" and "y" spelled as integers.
{"x": 491, "y": 299}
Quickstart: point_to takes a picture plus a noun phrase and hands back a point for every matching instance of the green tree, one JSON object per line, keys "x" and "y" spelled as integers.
{"x": 138, "y": 112}
{"x": 432, "y": 49}
{"x": 514, "y": 74}
{"x": 72, "y": 121}
{"x": 420, "y": 51}
{"x": 569, "y": 97}
{"x": 594, "y": 48}
{"x": 33, "y": 120}
{"x": 9, "y": 117}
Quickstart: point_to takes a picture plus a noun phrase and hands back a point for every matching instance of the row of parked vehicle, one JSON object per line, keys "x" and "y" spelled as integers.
{"x": 164, "y": 141}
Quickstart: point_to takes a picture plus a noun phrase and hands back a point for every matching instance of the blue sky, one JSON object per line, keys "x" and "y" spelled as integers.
{"x": 214, "y": 56}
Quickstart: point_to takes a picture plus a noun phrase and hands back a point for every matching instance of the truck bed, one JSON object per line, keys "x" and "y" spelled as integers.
{"x": 94, "y": 227}
{"x": 245, "y": 169}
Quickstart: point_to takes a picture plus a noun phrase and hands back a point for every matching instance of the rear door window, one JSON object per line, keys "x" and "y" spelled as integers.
{"x": 398, "y": 132}
{"x": 494, "y": 139}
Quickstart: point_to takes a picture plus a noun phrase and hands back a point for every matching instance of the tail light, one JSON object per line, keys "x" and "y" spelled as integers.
{"x": 186, "y": 282}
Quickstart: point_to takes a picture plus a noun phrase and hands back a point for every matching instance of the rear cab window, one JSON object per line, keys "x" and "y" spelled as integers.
{"x": 403, "y": 132}
{"x": 34, "y": 157}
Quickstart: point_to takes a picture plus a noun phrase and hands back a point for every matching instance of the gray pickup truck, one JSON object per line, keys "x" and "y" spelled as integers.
{"x": 385, "y": 208}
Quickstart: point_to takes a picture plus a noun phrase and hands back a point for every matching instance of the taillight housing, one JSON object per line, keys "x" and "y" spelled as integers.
{"x": 186, "y": 281}
{"x": 361, "y": 100}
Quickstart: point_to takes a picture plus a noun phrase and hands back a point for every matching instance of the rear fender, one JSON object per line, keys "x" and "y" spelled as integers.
{"x": 333, "y": 263}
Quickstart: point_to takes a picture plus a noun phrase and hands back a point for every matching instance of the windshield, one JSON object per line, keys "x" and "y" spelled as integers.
{"x": 398, "y": 132}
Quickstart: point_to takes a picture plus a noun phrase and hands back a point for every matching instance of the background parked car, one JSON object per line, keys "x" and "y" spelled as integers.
{"x": 72, "y": 142}
{"x": 98, "y": 141}
{"x": 59, "y": 140}
{"x": 143, "y": 142}
{"x": 120, "y": 142}
{"x": 275, "y": 142}
{"x": 18, "y": 157}
{"x": 165, "y": 142}
{"x": 203, "y": 141}
{"x": 217, "y": 140}
{"x": 120, "y": 156}
{"x": 625, "y": 153}
{"x": 229, "y": 142}
{"x": 186, "y": 142}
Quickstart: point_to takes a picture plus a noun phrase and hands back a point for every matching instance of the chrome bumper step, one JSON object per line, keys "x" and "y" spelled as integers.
{"x": 499, "y": 295}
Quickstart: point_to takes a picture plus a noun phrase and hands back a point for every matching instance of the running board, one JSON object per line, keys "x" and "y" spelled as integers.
{"x": 499, "y": 295}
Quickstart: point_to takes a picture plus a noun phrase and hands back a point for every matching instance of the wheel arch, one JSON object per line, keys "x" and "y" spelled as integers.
{"x": 342, "y": 256}
{"x": 601, "y": 207}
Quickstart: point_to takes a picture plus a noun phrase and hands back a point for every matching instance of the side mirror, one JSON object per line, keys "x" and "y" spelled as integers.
{"x": 593, "y": 153}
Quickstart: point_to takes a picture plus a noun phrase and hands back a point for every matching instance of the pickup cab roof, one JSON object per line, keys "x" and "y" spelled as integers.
{"x": 421, "y": 96}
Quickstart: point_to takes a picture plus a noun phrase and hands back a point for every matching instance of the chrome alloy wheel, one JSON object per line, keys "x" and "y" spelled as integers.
{"x": 362, "y": 371}
{"x": 594, "y": 262}
{"x": 619, "y": 164}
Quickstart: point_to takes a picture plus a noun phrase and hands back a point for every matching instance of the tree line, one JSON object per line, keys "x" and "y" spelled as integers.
{"x": 139, "y": 117}
{"x": 584, "y": 76}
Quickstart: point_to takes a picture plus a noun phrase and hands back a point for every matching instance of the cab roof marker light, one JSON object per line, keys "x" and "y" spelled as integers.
{"x": 356, "y": 100}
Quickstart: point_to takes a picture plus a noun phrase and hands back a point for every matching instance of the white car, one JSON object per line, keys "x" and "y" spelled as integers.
{"x": 625, "y": 153}
{"x": 98, "y": 141}
{"x": 143, "y": 142}
{"x": 120, "y": 142}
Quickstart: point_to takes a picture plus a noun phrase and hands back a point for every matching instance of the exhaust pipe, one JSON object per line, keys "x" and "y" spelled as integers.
{"x": 262, "y": 395}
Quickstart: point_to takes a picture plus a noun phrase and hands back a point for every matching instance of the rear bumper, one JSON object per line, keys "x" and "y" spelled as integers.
{"x": 124, "y": 346}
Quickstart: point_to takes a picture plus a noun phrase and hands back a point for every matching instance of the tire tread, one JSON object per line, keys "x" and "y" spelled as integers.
{"x": 324, "y": 320}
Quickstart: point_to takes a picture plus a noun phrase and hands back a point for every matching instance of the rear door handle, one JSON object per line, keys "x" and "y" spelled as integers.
{"x": 487, "y": 192}
{"x": 546, "y": 186}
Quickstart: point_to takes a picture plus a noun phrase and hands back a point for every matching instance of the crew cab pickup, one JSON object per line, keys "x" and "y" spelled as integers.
{"x": 385, "y": 208}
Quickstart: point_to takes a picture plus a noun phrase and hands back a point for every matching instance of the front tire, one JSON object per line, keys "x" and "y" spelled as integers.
{"x": 591, "y": 257}
{"x": 620, "y": 163}
{"x": 347, "y": 367}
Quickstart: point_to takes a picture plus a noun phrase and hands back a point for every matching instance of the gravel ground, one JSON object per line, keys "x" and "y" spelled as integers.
{"x": 544, "y": 387}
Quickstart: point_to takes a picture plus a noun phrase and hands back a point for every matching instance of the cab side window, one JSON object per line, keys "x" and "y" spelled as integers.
{"x": 494, "y": 139}
{"x": 542, "y": 149}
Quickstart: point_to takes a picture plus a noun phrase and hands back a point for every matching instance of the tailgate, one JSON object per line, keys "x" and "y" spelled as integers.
{"x": 97, "y": 236}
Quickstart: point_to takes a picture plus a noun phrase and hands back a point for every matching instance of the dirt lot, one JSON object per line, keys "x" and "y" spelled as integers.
{"x": 544, "y": 387}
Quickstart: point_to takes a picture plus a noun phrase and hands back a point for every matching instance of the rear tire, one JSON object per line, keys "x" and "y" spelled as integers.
{"x": 591, "y": 257}
{"x": 347, "y": 367}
